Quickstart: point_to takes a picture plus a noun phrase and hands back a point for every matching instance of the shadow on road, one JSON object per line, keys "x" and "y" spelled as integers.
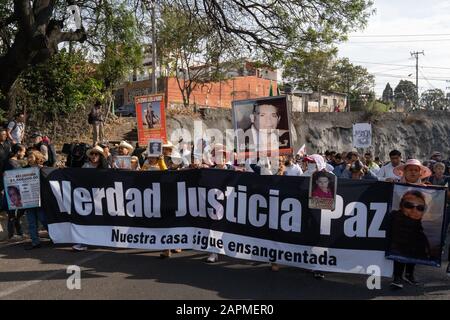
{"x": 230, "y": 278}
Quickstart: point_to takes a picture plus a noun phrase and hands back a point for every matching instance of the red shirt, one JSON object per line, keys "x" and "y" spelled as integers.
{"x": 318, "y": 193}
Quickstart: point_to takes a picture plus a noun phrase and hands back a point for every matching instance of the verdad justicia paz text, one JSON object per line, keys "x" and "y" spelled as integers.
{"x": 233, "y": 204}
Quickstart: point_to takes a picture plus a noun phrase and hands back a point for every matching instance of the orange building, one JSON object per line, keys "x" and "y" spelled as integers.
{"x": 214, "y": 94}
{"x": 221, "y": 94}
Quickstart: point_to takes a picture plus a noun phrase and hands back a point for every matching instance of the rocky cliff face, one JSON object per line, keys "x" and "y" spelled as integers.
{"x": 415, "y": 134}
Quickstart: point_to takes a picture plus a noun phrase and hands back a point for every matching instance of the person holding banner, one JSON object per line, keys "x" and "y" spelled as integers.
{"x": 35, "y": 159}
{"x": 220, "y": 162}
{"x": 16, "y": 161}
{"x": 439, "y": 179}
{"x": 14, "y": 196}
{"x": 96, "y": 160}
{"x": 412, "y": 209}
{"x": 407, "y": 236}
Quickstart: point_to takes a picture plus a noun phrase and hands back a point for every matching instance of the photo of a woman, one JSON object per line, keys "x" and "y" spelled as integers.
{"x": 407, "y": 235}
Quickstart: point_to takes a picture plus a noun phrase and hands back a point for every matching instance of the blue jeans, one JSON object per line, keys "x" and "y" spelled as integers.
{"x": 33, "y": 216}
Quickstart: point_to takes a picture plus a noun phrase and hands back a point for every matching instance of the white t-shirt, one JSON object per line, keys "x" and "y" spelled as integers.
{"x": 293, "y": 170}
{"x": 19, "y": 128}
{"x": 387, "y": 172}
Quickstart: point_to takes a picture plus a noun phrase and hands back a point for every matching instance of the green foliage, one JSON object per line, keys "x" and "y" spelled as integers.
{"x": 353, "y": 79}
{"x": 378, "y": 107}
{"x": 388, "y": 94}
{"x": 311, "y": 70}
{"x": 320, "y": 70}
{"x": 405, "y": 94}
{"x": 60, "y": 86}
{"x": 120, "y": 46}
{"x": 434, "y": 99}
{"x": 192, "y": 50}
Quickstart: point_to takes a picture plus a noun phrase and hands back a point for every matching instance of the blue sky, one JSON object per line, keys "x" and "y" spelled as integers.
{"x": 423, "y": 18}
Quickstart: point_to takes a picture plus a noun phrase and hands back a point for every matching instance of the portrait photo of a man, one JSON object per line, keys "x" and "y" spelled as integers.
{"x": 264, "y": 121}
{"x": 151, "y": 115}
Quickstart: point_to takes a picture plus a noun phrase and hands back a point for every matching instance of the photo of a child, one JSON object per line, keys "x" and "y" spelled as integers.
{"x": 322, "y": 190}
{"x": 322, "y": 186}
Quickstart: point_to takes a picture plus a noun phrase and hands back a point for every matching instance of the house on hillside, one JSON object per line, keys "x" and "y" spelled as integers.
{"x": 308, "y": 101}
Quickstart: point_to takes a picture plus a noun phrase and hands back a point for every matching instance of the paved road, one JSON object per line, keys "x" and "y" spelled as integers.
{"x": 137, "y": 274}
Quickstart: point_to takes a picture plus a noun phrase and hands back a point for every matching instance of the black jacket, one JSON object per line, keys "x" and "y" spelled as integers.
{"x": 407, "y": 237}
{"x": 5, "y": 152}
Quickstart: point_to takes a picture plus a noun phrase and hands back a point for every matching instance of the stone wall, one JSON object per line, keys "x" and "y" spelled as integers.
{"x": 416, "y": 134}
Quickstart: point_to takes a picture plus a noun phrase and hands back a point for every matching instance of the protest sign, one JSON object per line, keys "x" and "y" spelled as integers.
{"x": 151, "y": 118}
{"x": 362, "y": 135}
{"x": 417, "y": 229}
{"x": 22, "y": 188}
{"x": 243, "y": 215}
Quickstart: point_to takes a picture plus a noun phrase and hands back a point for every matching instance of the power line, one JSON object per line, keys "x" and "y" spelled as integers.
{"x": 399, "y": 65}
{"x": 423, "y": 75}
{"x": 400, "y": 35}
{"x": 395, "y": 41}
{"x": 405, "y": 77}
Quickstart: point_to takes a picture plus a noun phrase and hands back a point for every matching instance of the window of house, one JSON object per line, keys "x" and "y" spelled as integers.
{"x": 325, "y": 102}
{"x": 334, "y": 102}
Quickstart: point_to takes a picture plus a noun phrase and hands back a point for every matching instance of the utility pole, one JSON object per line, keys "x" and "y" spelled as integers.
{"x": 154, "y": 80}
{"x": 416, "y": 55}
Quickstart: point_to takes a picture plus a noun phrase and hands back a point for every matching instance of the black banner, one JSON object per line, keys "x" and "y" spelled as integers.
{"x": 264, "y": 218}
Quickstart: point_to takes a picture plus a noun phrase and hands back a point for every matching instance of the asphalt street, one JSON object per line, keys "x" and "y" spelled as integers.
{"x": 136, "y": 274}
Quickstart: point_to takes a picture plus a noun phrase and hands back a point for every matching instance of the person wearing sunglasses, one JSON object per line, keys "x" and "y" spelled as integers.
{"x": 96, "y": 160}
{"x": 407, "y": 236}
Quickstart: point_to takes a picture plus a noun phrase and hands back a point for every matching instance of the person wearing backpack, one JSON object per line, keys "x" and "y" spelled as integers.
{"x": 43, "y": 145}
{"x": 39, "y": 145}
{"x": 16, "y": 129}
{"x": 95, "y": 118}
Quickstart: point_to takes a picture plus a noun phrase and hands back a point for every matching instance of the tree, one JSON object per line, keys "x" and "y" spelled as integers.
{"x": 117, "y": 42}
{"x": 405, "y": 94}
{"x": 388, "y": 94}
{"x": 192, "y": 50}
{"x": 275, "y": 27}
{"x": 311, "y": 70}
{"x": 318, "y": 70}
{"x": 434, "y": 99}
{"x": 58, "y": 87}
{"x": 354, "y": 80}
{"x": 30, "y": 35}
{"x": 31, "y": 30}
